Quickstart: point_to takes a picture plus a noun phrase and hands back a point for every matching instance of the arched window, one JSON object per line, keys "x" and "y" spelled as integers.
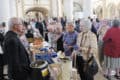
{"x": 77, "y": 7}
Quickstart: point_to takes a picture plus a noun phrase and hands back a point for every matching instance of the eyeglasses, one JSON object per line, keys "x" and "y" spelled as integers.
{"x": 18, "y": 24}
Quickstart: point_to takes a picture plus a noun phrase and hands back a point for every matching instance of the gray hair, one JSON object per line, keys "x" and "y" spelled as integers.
{"x": 14, "y": 21}
{"x": 69, "y": 24}
{"x": 86, "y": 23}
{"x": 116, "y": 23}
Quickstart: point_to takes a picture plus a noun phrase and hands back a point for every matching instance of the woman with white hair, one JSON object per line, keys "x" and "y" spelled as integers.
{"x": 87, "y": 47}
{"x": 54, "y": 32}
{"x": 111, "y": 50}
{"x": 51, "y": 35}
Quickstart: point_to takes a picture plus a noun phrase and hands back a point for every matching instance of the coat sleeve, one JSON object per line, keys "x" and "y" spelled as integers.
{"x": 64, "y": 43}
{"x": 94, "y": 49}
{"x": 93, "y": 43}
{"x": 75, "y": 44}
{"x": 107, "y": 36}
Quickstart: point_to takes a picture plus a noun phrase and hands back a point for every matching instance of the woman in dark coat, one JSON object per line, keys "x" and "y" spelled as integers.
{"x": 60, "y": 43}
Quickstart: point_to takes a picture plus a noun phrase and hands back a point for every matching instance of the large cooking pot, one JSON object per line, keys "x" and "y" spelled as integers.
{"x": 66, "y": 68}
{"x": 40, "y": 70}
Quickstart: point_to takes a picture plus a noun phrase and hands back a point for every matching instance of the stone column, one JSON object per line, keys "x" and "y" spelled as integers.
{"x": 87, "y": 8}
{"x": 4, "y": 11}
{"x": 105, "y": 16}
{"x": 60, "y": 8}
{"x": 19, "y": 8}
{"x": 12, "y": 7}
{"x": 68, "y": 9}
{"x": 54, "y": 8}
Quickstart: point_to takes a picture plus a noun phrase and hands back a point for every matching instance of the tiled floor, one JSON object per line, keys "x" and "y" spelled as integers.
{"x": 99, "y": 76}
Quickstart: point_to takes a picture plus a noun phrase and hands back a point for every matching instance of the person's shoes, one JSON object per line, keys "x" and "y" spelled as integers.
{"x": 107, "y": 77}
{"x": 117, "y": 77}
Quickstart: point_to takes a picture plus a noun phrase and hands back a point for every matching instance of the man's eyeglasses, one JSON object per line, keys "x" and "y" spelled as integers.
{"x": 18, "y": 24}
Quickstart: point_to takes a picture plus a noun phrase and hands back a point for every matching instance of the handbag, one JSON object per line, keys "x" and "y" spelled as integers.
{"x": 91, "y": 66}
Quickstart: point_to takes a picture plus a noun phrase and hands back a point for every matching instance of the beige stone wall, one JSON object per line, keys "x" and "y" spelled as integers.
{"x": 110, "y": 9}
{"x": 104, "y": 9}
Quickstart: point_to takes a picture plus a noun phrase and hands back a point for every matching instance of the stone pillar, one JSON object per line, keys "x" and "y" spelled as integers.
{"x": 105, "y": 16}
{"x": 68, "y": 9}
{"x": 12, "y": 7}
{"x": 54, "y": 8}
{"x": 87, "y": 8}
{"x": 60, "y": 8}
{"x": 19, "y": 8}
{"x": 4, "y": 11}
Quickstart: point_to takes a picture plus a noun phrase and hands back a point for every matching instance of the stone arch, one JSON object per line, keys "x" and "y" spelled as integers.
{"x": 42, "y": 10}
{"x": 77, "y": 7}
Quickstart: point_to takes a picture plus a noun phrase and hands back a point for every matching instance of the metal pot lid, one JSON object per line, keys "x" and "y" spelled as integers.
{"x": 65, "y": 59}
{"x": 39, "y": 64}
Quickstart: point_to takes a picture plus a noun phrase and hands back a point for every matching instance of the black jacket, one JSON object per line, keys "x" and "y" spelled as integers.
{"x": 39, "y": 26}
{"x": 1, "y": 39}
{"x": 15, "y": 54}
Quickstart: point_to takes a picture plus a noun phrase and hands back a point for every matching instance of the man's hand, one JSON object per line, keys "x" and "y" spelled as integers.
{"x": 69, "y": 47}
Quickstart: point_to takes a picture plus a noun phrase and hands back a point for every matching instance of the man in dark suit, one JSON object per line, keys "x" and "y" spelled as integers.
{"x": 15, "y": 54}
{"x": 39, "y": 26}
{"x": 1, "y": 51}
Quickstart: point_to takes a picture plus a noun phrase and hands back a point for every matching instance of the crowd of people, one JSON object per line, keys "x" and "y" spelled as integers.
{"x": 84, "y": 40}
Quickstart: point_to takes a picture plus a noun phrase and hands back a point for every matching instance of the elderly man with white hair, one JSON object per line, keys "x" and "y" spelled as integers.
{"x": 15, "y": 54}
{"x": 87, "y": 47}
